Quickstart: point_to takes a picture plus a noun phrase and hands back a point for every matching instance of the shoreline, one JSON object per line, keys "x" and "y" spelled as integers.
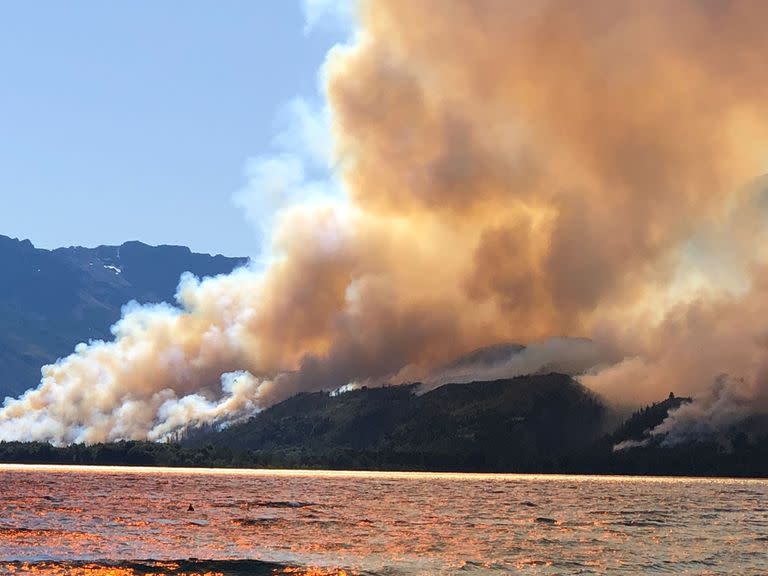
{"x": 384, "y": 474}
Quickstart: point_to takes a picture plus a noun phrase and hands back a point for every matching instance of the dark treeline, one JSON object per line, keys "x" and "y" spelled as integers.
{"x": 543, "y": 424}
{"x": 700, "y": 459}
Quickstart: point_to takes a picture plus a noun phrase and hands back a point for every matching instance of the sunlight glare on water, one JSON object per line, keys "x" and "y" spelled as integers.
{"x": 125, "y": 521}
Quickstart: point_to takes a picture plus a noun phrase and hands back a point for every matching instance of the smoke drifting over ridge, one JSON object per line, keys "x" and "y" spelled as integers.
{"x": 514, "y": 172}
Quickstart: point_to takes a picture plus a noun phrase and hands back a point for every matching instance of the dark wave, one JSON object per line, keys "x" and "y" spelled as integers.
{"x": 282, "y": 504}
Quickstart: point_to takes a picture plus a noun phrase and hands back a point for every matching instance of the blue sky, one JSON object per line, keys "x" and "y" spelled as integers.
{"x": 136, "y": 120}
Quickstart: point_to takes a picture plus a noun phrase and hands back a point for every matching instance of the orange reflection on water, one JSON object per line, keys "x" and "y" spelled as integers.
{"x": 312, "y": 571}
{"x": 150, "y": 569}
{"x": 91, "y": 569}
{"x": 105, "y": 521}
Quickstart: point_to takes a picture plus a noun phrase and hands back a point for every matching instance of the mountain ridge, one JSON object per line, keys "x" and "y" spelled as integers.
{"x": 522, "y": 423}
{"x": 51, "y": 300}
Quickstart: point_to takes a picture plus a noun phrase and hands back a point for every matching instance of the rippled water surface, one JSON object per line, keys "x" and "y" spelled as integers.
{"x": 137, "y": 521}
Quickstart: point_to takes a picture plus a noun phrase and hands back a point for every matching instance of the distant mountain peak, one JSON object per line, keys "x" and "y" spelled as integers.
{"x": 493, "y": 354}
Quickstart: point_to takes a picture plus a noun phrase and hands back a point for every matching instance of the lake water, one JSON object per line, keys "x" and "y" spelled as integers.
{"x": 123, "y": 521}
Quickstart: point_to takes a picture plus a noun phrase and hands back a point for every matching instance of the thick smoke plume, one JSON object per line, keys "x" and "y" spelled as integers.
{"x": 573, "y": 356}
{"x": 513, "y": 172}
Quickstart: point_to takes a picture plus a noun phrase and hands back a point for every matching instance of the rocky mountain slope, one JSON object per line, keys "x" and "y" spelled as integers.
{"x": 50, "y": 300}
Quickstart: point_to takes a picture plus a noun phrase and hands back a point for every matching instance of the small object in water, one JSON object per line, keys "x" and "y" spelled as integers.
{"x": 545, "y": 520}
{"x": 191, "y": 508}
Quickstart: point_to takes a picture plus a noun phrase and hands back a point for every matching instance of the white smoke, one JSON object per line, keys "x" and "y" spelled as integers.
{"x": 337, "y": 12}
{"x": 713, "y": 416}
{"x": 708, "y": 417}
{"x": 165, "y": 369}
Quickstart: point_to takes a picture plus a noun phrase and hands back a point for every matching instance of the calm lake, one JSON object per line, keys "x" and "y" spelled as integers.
{"x": 124, "y": 521}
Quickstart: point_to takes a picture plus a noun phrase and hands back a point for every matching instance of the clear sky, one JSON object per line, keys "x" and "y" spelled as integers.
{"x": 134, "y": 120}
